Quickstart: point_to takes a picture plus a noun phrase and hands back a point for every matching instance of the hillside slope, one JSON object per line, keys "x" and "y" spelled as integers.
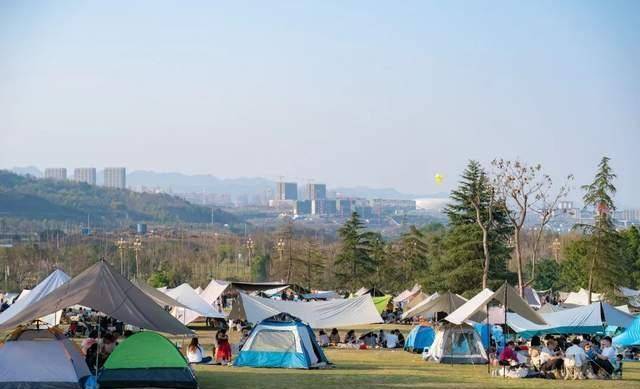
{"x": 31, "y": 198}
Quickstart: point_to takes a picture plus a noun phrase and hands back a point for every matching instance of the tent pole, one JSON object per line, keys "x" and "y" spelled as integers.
{"x": 506, "y": 327}
{"x": 489, "y": 327}
{"x": 97, "y": 350}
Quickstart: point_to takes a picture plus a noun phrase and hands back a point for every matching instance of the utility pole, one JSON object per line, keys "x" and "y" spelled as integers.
{"x": 137, "y": 246}
{"x": 122, "y": 245}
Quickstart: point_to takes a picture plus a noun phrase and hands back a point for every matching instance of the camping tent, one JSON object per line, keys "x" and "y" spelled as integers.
{"x": 589, "y": 319}
{"x": 322, "y": 295}
{"x": 445, "y": 302}
{"x": 475, "y": 309}
{"x": 381, "y": 302}
{"x": 198, "y": 307}
{"x": 48, "y": 285}
{"x": 282, "y": 341}
{"x": 374, "y": 292}
{"x": 419, "y": 337}
{"x": 214, "y": 291}
{"x": 581, "y": 297}
{"x": 415, "y": 300}
{"x": 631, "y": 336}
{"x": 34, "y": 359}
{"x": 319, "y": 314}
{"x": 548, "y": 308}
{"x": 407, "y": 294}
{"x": 103, "y": 289}
{"x": 457, "y": 344}
{"x": 198, "y": 290}
{"x": 147, "y": 359}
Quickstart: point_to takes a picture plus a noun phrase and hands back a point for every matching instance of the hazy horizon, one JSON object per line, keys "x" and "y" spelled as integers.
{"x": 346, "y": 93}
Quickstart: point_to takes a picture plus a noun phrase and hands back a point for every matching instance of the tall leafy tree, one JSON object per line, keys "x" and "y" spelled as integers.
{"x": 478, "y": 238}
{"x": 604, "y": 270}
{"x": 354, "y": 261}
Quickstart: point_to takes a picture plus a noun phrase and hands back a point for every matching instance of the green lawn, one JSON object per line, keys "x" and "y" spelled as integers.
{"x": 385, "y": 368}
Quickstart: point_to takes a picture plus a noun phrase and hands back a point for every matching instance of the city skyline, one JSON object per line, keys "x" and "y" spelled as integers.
{"x": 383, "y": 96}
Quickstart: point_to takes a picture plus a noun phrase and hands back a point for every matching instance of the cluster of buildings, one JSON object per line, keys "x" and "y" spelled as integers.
{"x": 114, "y": 177}
{"x": 314, "y": 201}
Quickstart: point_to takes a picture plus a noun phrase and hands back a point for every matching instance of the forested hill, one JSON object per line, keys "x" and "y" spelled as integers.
{"x": 37, "y": 199}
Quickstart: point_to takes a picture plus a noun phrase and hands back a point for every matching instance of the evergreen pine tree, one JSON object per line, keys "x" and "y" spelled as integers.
{"x": 354, "y": 262}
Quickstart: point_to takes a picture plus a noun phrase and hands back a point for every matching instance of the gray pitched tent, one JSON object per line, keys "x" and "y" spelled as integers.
{"x": 103, "y": 289}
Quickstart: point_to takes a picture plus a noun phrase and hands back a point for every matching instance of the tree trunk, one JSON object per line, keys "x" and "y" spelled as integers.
{"x": 485, "y": 249}
{"x": 591, "y": 271}
{"x": 519, "y": 262}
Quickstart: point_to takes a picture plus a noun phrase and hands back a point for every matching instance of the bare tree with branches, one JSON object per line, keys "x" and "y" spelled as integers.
{"x": 521, "y": 187}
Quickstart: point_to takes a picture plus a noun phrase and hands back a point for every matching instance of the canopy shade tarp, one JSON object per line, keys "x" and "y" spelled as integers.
{"x": 197, "y": 306}
{"x": 505, "y": 295}
{"x": 415, "y": 300}
{"x": 627, "y": 292}
{"x": 407, "y": 294}
{"x": 319, "y": 314}
{"x": 158, "y": 296}
{"x": 255, "y": 286}
{"x": 581, "y": 297}
{"x": 48, "y": 285}
{"x": 532, "y": 297}
{"x": 214, "y": 290}
{"x": 101, "y": 288}
{"x": 445, "y": 302}
{"x": 322, "y": 295}
{"x": 588, "y": 319}
{"x": 631, "y": 336}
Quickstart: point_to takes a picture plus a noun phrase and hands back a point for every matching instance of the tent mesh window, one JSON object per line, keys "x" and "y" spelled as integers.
{"x": 461, "y": 344}
{"x": 274, "y": 341}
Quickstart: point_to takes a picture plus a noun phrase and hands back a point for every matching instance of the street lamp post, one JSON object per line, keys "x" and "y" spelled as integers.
{"x": 280, "y": 247}
{"x": 137, "y": 246}
{"x": 555, "y": 246}
{"x": 122, "y": 244}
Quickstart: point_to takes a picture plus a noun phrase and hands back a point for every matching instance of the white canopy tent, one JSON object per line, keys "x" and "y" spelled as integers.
{"x": 103, "y": 289}
{"x": 159, "y": 297}
{"x": 214, "y": 291}
{"x": 505, "y": 295}
{"x": 445, "y": 302}
{"x": 197, "y": 306}
{"x": 319, "y": 314}
{"x": 198, "y": 290}
{"x": 29, "y": 297}
{"x": 582, "y": 297}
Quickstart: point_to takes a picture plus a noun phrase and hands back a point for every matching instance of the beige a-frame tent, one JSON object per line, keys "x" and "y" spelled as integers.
{"x": 103, "y": 289}
{"x": 446, "y": 302}
{"x": 505, "y": 295}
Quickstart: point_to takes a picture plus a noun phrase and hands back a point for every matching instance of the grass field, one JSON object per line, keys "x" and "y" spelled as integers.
{"x": 383, "y": 368}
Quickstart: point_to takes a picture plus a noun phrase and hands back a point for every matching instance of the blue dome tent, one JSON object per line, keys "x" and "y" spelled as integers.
{"x": 419, "y": 338}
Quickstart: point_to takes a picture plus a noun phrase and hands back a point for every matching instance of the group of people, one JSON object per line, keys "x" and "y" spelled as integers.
{"x": 393, "y": 339}
{"x": 222, "y": 350}
{"x": 392, "y": 314}
{"x": 552, "y": 357}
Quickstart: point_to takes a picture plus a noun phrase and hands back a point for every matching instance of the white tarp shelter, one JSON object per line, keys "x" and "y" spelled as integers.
{"x": 156, "y": 295}
{"x": 197, "y": 306}
{"x": 532, "y": 297}
{"x": 104, "y": 290}
{"x": 46, "y": 286}
{"x": 505, "y": 295}
{"x": 445, "y": 302}
{"x": 319, "y": 314}
{"x": 198, "y": 290}
{"x": 582, "y": 297}
{"x": 587, "y": 319}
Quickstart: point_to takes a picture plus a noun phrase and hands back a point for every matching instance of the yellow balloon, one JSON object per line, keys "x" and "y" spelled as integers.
{"x": 439, "y": 178}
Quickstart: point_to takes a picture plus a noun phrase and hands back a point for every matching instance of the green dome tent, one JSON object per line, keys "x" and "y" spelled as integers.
{"x": 147, "y": 359}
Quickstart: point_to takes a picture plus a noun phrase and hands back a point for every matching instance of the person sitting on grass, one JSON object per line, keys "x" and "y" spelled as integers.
{"x": 534, "y": 352}
{"x": 350, "y": 337}
{"x": 391, "y": 340}
{"x": 606, "y": 359}
{"x": 617, "y": 372}
{"x": 508, "y": 355}
{"x": 400, "y": 338}
{"x": 323, "y": 339}
{"x": 382, "y": 339}
{"x": 551, "y": 358}
{"x": 195, "y": 353}
{"x": 334, "y": 337}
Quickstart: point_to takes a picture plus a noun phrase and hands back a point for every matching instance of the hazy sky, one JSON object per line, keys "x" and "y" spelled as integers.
{"x": 345, "y": 92}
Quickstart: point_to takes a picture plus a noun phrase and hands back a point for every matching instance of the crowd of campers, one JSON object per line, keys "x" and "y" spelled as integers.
{"x": 101, "y": 328}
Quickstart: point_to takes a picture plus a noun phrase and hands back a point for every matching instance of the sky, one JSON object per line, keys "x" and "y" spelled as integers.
{"x": 383, "y": 94}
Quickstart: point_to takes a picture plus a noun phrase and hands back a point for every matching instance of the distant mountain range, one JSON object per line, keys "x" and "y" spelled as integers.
{"x": 184, "y": 183}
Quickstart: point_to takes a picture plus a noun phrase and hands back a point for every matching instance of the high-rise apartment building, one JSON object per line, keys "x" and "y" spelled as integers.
{"x": 115, "y": 177}
{"x": 85, "y": 174}
{"x": 57, "y": 173}
{"x": 287, "y": 191}
{"x": 317, "y": 191}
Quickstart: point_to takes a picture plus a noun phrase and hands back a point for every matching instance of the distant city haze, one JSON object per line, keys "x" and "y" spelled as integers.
{"x": 344, "y": 93}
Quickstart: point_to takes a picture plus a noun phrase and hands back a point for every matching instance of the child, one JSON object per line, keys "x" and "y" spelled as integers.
{"x": 617, "y": 371}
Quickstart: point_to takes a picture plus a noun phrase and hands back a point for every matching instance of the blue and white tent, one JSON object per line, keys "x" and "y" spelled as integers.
{"x": 631, "y": 336}
{"x": 419, "y": 338}
{"x": 282, "y": 341}
{"x": 589, "y": 319}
